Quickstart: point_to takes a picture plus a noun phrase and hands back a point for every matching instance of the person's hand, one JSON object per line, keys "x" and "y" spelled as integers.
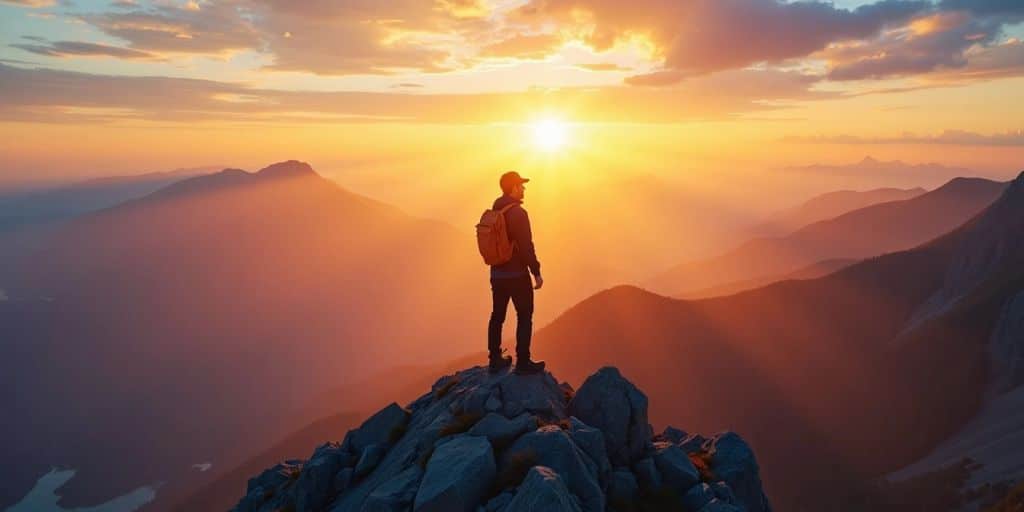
{"x": 539, "y": 282}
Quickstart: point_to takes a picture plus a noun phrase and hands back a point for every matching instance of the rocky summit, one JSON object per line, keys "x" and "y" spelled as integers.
{"x": 482, "y": 442}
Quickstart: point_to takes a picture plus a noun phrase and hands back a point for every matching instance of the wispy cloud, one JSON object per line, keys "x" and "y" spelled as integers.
{"x": 952, "y": 137}
{"x": 83, "y": 49}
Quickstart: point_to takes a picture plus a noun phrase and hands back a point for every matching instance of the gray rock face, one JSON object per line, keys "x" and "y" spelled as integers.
{"x": 501, "y": 431}
{"x": 428, "y": 457}
{"x": 380, "y": 428}
{"x": 612, "y": 404}
{"x": 458, "y": 474}
{"x": 677, "y": 472}
{"x": 553, "y": 447}
{"x": 733, "y": 462}
{"x": 1006, "y": 348}
{"x": 543, "y": 489}
{"x": 397, "y": 494}
{"x": 315, "y": 486}
{"x": 622, "y": 487}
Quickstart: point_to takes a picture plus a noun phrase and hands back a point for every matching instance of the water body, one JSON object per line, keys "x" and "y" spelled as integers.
{"x": 43, "y": 497}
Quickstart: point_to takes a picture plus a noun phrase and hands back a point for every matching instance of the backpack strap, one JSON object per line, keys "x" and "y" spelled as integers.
{"x": 509, "y": 207}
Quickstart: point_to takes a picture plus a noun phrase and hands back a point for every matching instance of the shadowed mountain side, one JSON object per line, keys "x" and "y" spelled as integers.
{"x": 222, "y": 492}
{"x": 819, "y": 269}
{"x": 266, "y": 284}
{"x": 830, "y": 205}
{"x": 858, "y": 234}
{"x": 819, "y": 353}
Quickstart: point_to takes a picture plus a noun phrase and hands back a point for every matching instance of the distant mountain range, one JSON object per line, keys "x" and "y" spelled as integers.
{"x": 871, "y": 172}
{"x": 858, "y": 234}
{"x": 33, "y": 206}
{"x": 829, "y": 205}
{"x": 858, "y": 373}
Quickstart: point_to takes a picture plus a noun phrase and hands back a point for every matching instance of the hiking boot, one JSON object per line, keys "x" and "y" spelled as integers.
{"x": 500, "y": 363}
{"x": 529, "y": 367}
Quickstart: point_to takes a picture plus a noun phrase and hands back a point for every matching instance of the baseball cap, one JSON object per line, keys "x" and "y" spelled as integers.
{"x": 511, "y": 179}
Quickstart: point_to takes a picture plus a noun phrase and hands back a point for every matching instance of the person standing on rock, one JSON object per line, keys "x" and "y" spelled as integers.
{"x": 506, "y": 243}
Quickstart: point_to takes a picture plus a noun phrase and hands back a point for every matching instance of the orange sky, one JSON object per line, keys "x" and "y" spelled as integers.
{"x": 692, "y": 86}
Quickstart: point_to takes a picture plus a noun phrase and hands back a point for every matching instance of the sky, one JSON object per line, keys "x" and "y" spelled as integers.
{"x": 90, "y": 88}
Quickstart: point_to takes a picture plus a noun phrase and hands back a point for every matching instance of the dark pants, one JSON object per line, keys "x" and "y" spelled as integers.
{"x": 520, "y": 290}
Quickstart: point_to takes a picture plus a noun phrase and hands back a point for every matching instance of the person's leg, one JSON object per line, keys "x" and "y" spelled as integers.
{"x": 522, "y": 299}
{"x": 499, "y": 307}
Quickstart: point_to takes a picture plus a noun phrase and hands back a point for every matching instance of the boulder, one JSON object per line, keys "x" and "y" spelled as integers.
{"x": 499, "y": 502}
{"x": 315, "y": 486}
{"x": 733, "y": 462}
{"x": 383, "y": 427}
{"x": 591, "y": 441}
{"x": 672, "y": 435}
{"x": 717, "y": 505}
{"x": 343, "y": 480}
{"x": 693, "y": 443}
{"x": 370, "y": 458}
{"x": 622, "y": 487}
{"x": 458, "y": 474}
{"x": 543, "y": 489}
{"x": 724, "y": 493}
{"x": 397, "y": 494}
{"x": 552, "y": 447}
{"x": 612, "y": 404}
{"x": 698, "y": 496}
{"x": 266, "y": 487}
{"x": 539, "y": 394}
{"x": 647, "y": 474}
{"x": 501, "y": 431}
{"x": 677, "y": 472}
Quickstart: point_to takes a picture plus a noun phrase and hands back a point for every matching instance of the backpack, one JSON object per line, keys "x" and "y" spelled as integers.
{"x": 492, "y": 237}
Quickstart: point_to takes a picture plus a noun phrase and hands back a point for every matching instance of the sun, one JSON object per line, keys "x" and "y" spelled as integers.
{"x": 550, "y": 134}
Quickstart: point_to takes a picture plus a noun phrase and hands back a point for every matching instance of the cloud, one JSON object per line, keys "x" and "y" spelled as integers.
{"x": 29, "y": 3}
{"x": 948, "y": 137}
{"x": 658, "y": 78}
{"x": 604, "y": 66}
{"x": 702, "y": 36}
{"x": 46, "y": 95}
{"x": 78, "y": 48}
{"x": 524, "y": 46}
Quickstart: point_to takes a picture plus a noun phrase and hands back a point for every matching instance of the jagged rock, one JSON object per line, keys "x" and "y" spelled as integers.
{"x": 397, "y": 494}
{"x": 609, "y": 402}
{"x": 381, "y": 428}
{"x": 315, "y": 486}
{"x": 677, "y": 472}
{"x": 399, "y": 459}
{"x": 591, "y": 441}
{"x": 371, "y": 456}
{"x": 733, "y": 462}
{"x": 672, "y": 435}
{"x": 343, "y": 479}
{"x": 724, "y": 493}
{"x": 622, "y": 487}
{"x": 553, "y": 447}
{"x": 264, "y": 488}
{"x": 647, "y": 474}
{"x": 697, "y": 497}
{"x": 458, "y": 474}
{"x": 539, "y": 395}
{"x": 717, "y": 505}
{"x": 693, "y": 443}
{"x": 501, "y": 431}
{"x": 543, "y": 489}
{"x": 499, "y": 503}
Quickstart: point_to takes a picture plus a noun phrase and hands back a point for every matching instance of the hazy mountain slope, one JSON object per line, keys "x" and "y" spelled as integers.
{"x": 35, "y": 206}
{"x": 830, "y": 205}
{"x": 820, "y": 353}
{"x": 165, "y": 310}
{"x": 862, "y": 233}
{"x": 222, "y": 492}
{"x": 821, "y": 268}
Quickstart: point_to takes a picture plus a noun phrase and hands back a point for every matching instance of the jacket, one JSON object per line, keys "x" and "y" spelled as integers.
{"x": 524, "y": 256}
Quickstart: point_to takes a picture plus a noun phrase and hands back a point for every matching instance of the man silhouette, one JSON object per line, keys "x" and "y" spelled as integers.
{"x": 511, "y": 280}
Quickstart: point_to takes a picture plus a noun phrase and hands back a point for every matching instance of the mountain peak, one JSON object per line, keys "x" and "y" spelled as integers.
{"x": 515, "y": 443}
{"x": 287, "y": 169}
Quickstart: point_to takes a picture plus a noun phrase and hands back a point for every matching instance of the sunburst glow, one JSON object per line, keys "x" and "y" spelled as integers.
{"x": 550, "y": 134}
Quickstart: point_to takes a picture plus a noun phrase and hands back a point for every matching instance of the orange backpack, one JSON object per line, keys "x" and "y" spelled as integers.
{"x": 492, "y": 237}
